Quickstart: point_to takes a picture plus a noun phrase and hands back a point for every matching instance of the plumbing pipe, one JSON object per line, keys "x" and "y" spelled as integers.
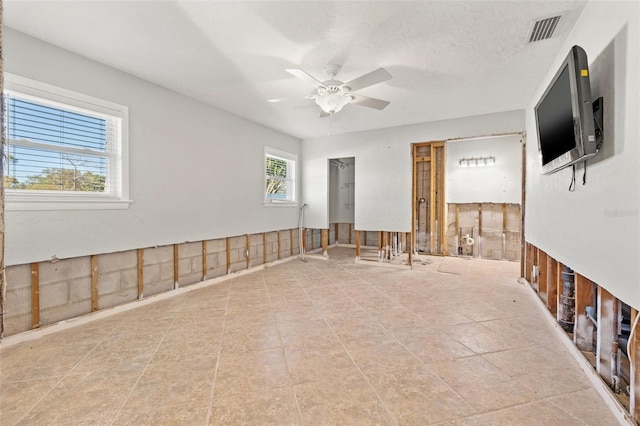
{"x": 300, "y": 220}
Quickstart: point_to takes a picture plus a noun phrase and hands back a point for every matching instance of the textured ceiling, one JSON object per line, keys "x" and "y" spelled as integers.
{"x": 448, "y": 58}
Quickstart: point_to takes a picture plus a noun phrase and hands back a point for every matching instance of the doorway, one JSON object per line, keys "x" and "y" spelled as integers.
{"x": 342, "y": 199}
{"x": 428, "y": 211}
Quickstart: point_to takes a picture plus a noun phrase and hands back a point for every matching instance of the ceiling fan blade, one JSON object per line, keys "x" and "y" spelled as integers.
{"x": 305, "y": 76}
{"x": 369, "y": 102}
{"x": 374, "y": 77}
{"x": 274, "y": 100}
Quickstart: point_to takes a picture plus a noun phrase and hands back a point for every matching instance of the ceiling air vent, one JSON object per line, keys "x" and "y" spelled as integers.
{"x": 543, "y": 29}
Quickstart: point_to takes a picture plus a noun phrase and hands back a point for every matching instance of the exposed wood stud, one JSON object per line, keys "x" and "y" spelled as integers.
{"x": 204, "y": 260}
{"x": 357, "y": 244}
{"x": 228, "y": 250}
{"x": 264, "y": 248}
{"x": 504, "y": 230}
{"x": 410, "y": 249}
{"x": 247, "y": 250}
{"x": 94, "y": 283}
{"x": 35, "y": 295}
{"x": 364, "y": 237}
{"x": 552, "y": 284}
{"x": 479, "y": 229}
{"x": 380, "y": 247}
{"x": 635, "y": 372}
{"x": 542, "y": 276}
{"x": 325, "y": 241}
{"x": 432, "y": 202}
{"x": 304, "y": 240}
{"x": 336, "y": 232}
{"x": 140, "y": 273}
{"x": 278, "y": 232}
{"x": 583, "y": 327}
{"x": 606, "y": 348}
{"x": 291, "y": 241}
{"x": 457, "y": 220}
{"x": 350, "y": 231}
{"x": 176, "y": 271}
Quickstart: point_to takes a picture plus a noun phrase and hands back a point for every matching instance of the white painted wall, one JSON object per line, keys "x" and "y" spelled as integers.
{"x": 383, "y": 167}
{"x": 596, "y": 229}
{"x": 501, "y": 183}
{"x": 196, "y": 172}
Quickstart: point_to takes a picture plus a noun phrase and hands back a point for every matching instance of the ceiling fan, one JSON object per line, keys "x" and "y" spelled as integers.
{"x": 332, "y": 95}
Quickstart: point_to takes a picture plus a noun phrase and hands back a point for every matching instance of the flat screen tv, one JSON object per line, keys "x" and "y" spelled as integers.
{"x": 564, "y": 116}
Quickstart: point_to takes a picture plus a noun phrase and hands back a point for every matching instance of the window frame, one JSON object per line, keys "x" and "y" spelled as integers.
{"x": 292, "y": 160}
{"x": 114, "y": 197}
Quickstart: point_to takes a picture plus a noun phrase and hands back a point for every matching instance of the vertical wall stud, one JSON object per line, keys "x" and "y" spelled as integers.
{"x": 247, "y": 249}
{"x": 325, "y": 242}
{"x": 552, "y": 284}
{"x": 304, "y": 240}
{"x": 583, "y": 327}
{"x": 504, "y": 230}
{"x": 479, "y": 241}
{"x": 432, "y": 201}
{"x": 350, "y": 231}
{"x": 264, "y": 248}
{"x": 35, "y": 295}
{"x": 634, "y": 356}
{"x": 204, "y": 260}
{"x": 364, "y": 238}
{"x": 176, "y": 271}
{"x": 542, "y": 277}
{"x": 291, "y": 240}
{"x": 278, "y": 232}
{"x": 607, "y": 334}
{"x": 94, "y": 283}
{"x": 228, "y": 250}
{"x": 140, "y": 273}
{"x": 357, "y": 244}
{"x": 380, "y": 247}
{"x": 336, "y": 232}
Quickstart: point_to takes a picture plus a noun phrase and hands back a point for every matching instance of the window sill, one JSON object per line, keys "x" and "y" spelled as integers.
{"x": 281, "y": 204}
{"x": 24, "y": 204}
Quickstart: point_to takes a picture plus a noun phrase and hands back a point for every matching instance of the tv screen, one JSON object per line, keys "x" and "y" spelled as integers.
{"x": 564, "y": 115}
{"x": 555, "y": 120}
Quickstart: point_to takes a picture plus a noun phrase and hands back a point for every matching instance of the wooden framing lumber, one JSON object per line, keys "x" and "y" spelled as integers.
{"x": 432, "y": 202}
{"x": 325, "y": 241}
{"x": 542, "y": 276}
{"x": 140, "y": 273}
{"x": 357, "y": 244}
{"x": 291, "y": 241}
{"x": 228, "y": 250}
{"x": 552, "y": 284}
{"x": 583, "y": 326}
{"x": 204, "y": 260}
{"x": 607, "y": 332}
{"x": 94, "y": 283}
{"x": 176, "y": 271}
{"x": 264, "y": 248}
{"x": 336, "y": 227}
{"x": 634, "y": 357}
{"x": 278, "y": 238}
{"x": 35, "y": 295}
{"x": 304, "y": 240}
{"x": 350, "y": 231}
{"x": 247, "y": 249}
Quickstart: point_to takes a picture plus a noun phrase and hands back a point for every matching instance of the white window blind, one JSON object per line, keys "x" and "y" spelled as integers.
{"x": 280, "y": 173}
{"x": 57, "y": 151}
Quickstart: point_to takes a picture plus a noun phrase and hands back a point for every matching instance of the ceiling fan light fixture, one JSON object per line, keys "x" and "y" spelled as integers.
{"x": 333, "y": 102}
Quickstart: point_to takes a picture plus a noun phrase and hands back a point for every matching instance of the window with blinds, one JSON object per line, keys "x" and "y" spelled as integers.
{"x": 60, "y": 151}
{"x": 280, "y": 181}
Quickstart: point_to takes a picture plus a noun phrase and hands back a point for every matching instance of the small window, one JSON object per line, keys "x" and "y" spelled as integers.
{"x": 280, "y": 177}
{"x": 63, "y": 149}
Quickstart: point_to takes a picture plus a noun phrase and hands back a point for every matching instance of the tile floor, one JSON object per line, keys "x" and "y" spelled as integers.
{"x": 316, "y": 342}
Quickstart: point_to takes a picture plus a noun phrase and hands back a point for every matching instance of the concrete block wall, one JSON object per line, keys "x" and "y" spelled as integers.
{"x": 190, "y": 263}
{"x": 237, "y": 253}
{"x": 65, "y": 285}
{"x": 17, "y": 316}
{"x": 216, "y": 258}
{"x": 272, "y": 246}
{"x": 256, "y": 250}
{"x": 495, "y": 242}
{"x": 117, "y": 278}
{"x": 65, "y": 289}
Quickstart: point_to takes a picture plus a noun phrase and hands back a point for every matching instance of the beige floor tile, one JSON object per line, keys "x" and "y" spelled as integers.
{"x": 316, "y": 342}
